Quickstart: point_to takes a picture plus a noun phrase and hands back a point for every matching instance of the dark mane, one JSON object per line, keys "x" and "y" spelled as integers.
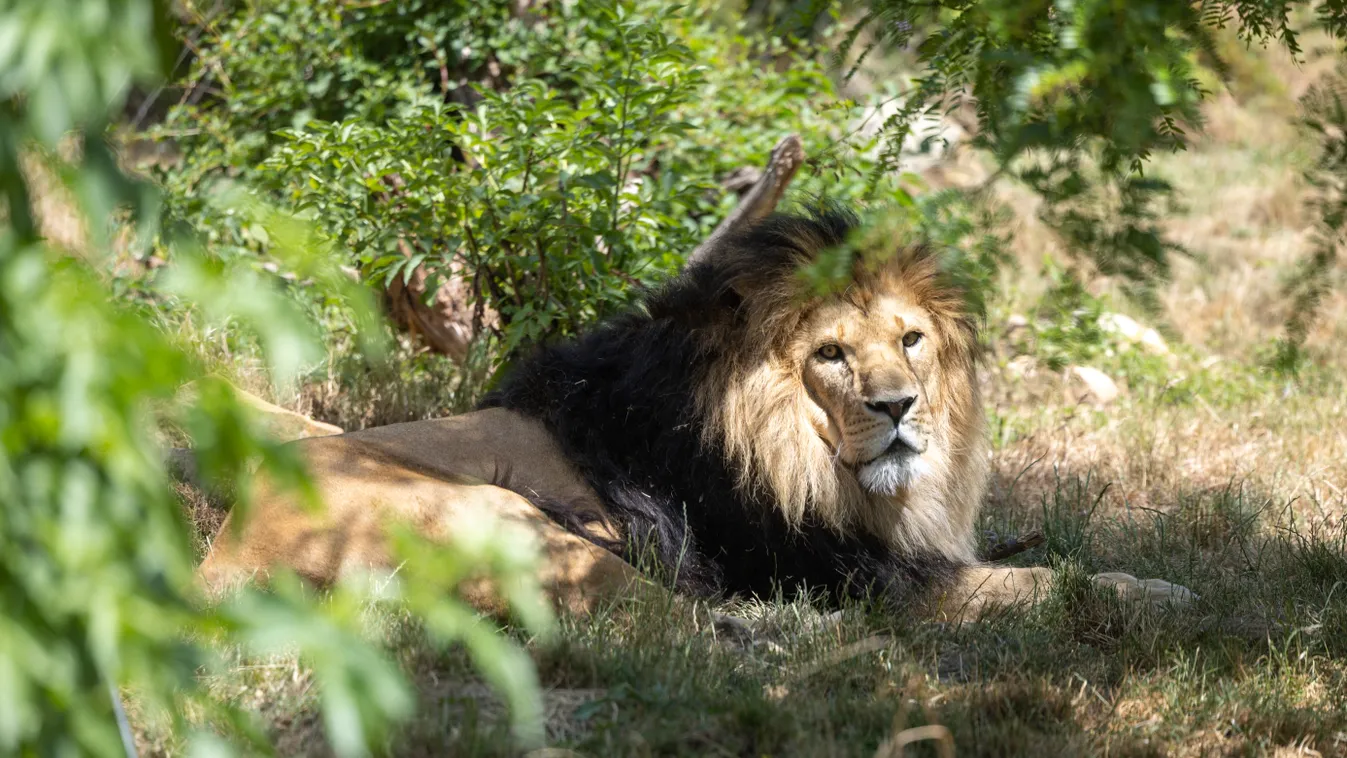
{"x": 620, "y": 401}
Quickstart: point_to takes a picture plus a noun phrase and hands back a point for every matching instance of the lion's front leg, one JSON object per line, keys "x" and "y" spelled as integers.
{"x": 1153, "y": 591}
{"x": 978, "y": 588}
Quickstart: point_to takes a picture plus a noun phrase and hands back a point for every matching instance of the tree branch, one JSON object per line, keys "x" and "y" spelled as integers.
{"x": 761, "y": 199}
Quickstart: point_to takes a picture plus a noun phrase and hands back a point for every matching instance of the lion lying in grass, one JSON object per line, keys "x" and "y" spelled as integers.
{"x": 744, "y": 434}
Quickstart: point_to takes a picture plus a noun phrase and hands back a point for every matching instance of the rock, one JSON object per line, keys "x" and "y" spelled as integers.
{"x": 1022, "y": 365}
{"x": 1016, "y": 321}
{"x": 1090, "y": 385}
{"x": 1152, "y": 340}
{"x": 180, "y": 463}
{"x": 1130, "y": 331}
{"x": 733, "y": 630}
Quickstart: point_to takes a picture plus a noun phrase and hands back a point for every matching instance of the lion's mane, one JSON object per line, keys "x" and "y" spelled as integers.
{"x": 693, "y": 430}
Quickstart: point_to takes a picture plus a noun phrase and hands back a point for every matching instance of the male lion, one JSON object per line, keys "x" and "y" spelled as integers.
{"x": 746, "y": 434}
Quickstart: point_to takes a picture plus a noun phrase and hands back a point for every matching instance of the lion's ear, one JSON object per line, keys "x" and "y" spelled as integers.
{"x": 729, "y": 298}
{"x": 755, "y": 274}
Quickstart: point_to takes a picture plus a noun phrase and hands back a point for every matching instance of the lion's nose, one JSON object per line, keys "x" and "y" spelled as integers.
{"x": 894, "y": 408}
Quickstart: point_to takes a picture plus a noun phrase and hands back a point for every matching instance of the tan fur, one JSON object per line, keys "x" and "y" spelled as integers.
{"x": 799, "y": 427}
{"x": 800, "y": 445}
{"x": 433, "y": 475}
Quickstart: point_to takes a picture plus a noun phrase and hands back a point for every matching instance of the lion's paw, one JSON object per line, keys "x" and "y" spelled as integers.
{"x": 1152, "y": 591}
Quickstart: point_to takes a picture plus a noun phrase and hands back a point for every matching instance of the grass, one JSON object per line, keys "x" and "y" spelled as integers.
{"x": 1260, "y": 663}
{"x": 1150, "y": 486}
{"x": 1209, "y": 472}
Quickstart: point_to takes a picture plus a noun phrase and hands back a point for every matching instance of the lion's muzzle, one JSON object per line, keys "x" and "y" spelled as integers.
{"x": 894, "y": 408}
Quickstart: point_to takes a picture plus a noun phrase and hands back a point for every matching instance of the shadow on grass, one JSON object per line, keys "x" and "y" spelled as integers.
{"x": 1258, "y": 663}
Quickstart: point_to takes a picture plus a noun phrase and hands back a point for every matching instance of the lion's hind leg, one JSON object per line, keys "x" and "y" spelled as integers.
{"x": 576, "y": 574}
{"x": 349, "y": 535}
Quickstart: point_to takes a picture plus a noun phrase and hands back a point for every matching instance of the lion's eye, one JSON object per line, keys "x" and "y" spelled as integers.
{"x": 911, "y": 339}
{"x": 830, "y": 352}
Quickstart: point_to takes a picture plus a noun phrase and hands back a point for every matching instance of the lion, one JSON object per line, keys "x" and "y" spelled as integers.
{"x": 740, "y": 434}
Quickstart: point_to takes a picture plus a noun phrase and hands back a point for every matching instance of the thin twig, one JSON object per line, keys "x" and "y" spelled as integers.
{"x": 896, "y": 745}
{"x": 856, "y": 649}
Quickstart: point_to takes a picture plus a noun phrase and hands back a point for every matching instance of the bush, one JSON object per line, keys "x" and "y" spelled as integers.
{"x": 577, "y": 165}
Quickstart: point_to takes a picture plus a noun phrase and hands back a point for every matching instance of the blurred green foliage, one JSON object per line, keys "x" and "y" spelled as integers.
{"x": 1066, "y": 325}
{"x": 96, "y": 566}
{"x": 1325, "y": 115}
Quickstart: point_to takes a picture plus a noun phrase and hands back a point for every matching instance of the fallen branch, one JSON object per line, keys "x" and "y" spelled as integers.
{"x": 762, "y": 198}
{"x": 447, "y": 320}
{"x": 1014, "y": 546}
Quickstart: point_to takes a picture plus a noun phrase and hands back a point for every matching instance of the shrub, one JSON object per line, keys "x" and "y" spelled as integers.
{"x": 577, "y": 165}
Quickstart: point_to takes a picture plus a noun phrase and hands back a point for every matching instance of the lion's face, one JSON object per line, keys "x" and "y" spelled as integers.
{"x": 857, "y": 410}
{"x": 866, "y": 366}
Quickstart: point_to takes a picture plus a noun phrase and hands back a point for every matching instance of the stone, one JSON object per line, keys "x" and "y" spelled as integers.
{"x": 1127, "y": 328}
{"x": 1090, "y": 385}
